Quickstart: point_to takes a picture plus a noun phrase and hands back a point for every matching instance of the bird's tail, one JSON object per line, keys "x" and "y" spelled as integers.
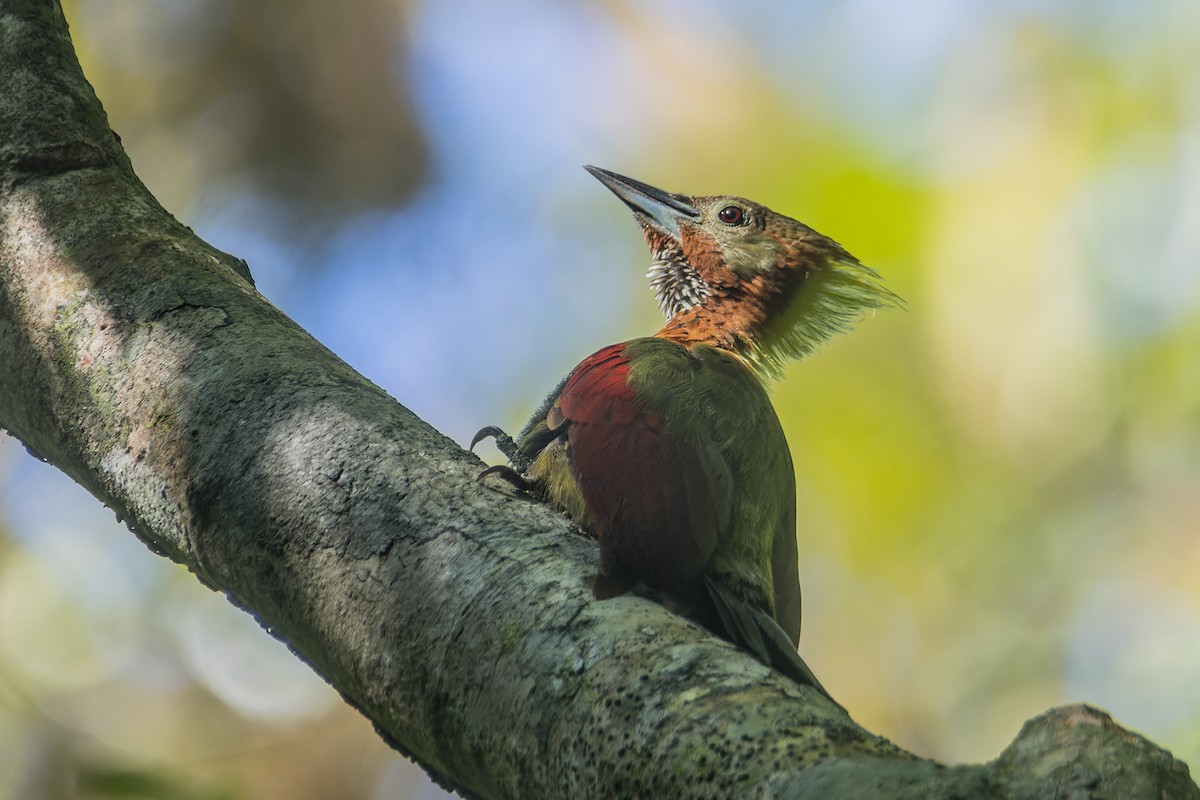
{"x": 755, "y": 631}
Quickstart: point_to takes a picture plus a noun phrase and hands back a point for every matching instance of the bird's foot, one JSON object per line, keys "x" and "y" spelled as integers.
{"x": 509, "y": 474}
{"x": 486, "y": 431}
{"x": 505, "y": 444}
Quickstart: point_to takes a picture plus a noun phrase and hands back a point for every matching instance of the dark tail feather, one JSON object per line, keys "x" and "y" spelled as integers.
{"x": 756, "y": 632}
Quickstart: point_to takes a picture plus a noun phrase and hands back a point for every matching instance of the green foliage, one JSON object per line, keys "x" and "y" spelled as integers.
{"x": 108, "y": 783}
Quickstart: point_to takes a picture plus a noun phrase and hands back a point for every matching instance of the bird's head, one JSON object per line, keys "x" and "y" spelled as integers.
{"x": 732, "y": 272}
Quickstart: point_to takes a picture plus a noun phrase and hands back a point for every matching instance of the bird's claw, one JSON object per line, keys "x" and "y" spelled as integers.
{"x": 485, "y": 432}
{"x": 504, "y": 443}
{"x": 519, "y": 461}
{"x": 509, "y": 474}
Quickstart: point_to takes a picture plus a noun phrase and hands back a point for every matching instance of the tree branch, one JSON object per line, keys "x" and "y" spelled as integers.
{"x": 143, "y": 363}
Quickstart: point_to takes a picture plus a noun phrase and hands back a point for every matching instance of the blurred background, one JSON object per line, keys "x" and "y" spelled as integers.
{"x": 999, "y": 487}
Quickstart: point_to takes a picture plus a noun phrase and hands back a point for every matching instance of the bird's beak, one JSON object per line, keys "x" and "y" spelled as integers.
{"x": 654, "y": 207}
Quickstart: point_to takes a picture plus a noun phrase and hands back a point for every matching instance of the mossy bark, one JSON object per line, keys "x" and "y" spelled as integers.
{"x": 143, "y": 363}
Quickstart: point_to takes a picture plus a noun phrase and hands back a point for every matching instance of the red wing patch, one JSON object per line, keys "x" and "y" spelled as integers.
{"x": 598, "y": 392}
{"x": 650, "y": 494}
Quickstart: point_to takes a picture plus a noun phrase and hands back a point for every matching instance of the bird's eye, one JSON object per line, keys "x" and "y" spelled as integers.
{"x": 731, "y": 215}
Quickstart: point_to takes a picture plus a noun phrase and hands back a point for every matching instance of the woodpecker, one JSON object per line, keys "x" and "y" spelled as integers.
{"x": 666, "y": 448}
